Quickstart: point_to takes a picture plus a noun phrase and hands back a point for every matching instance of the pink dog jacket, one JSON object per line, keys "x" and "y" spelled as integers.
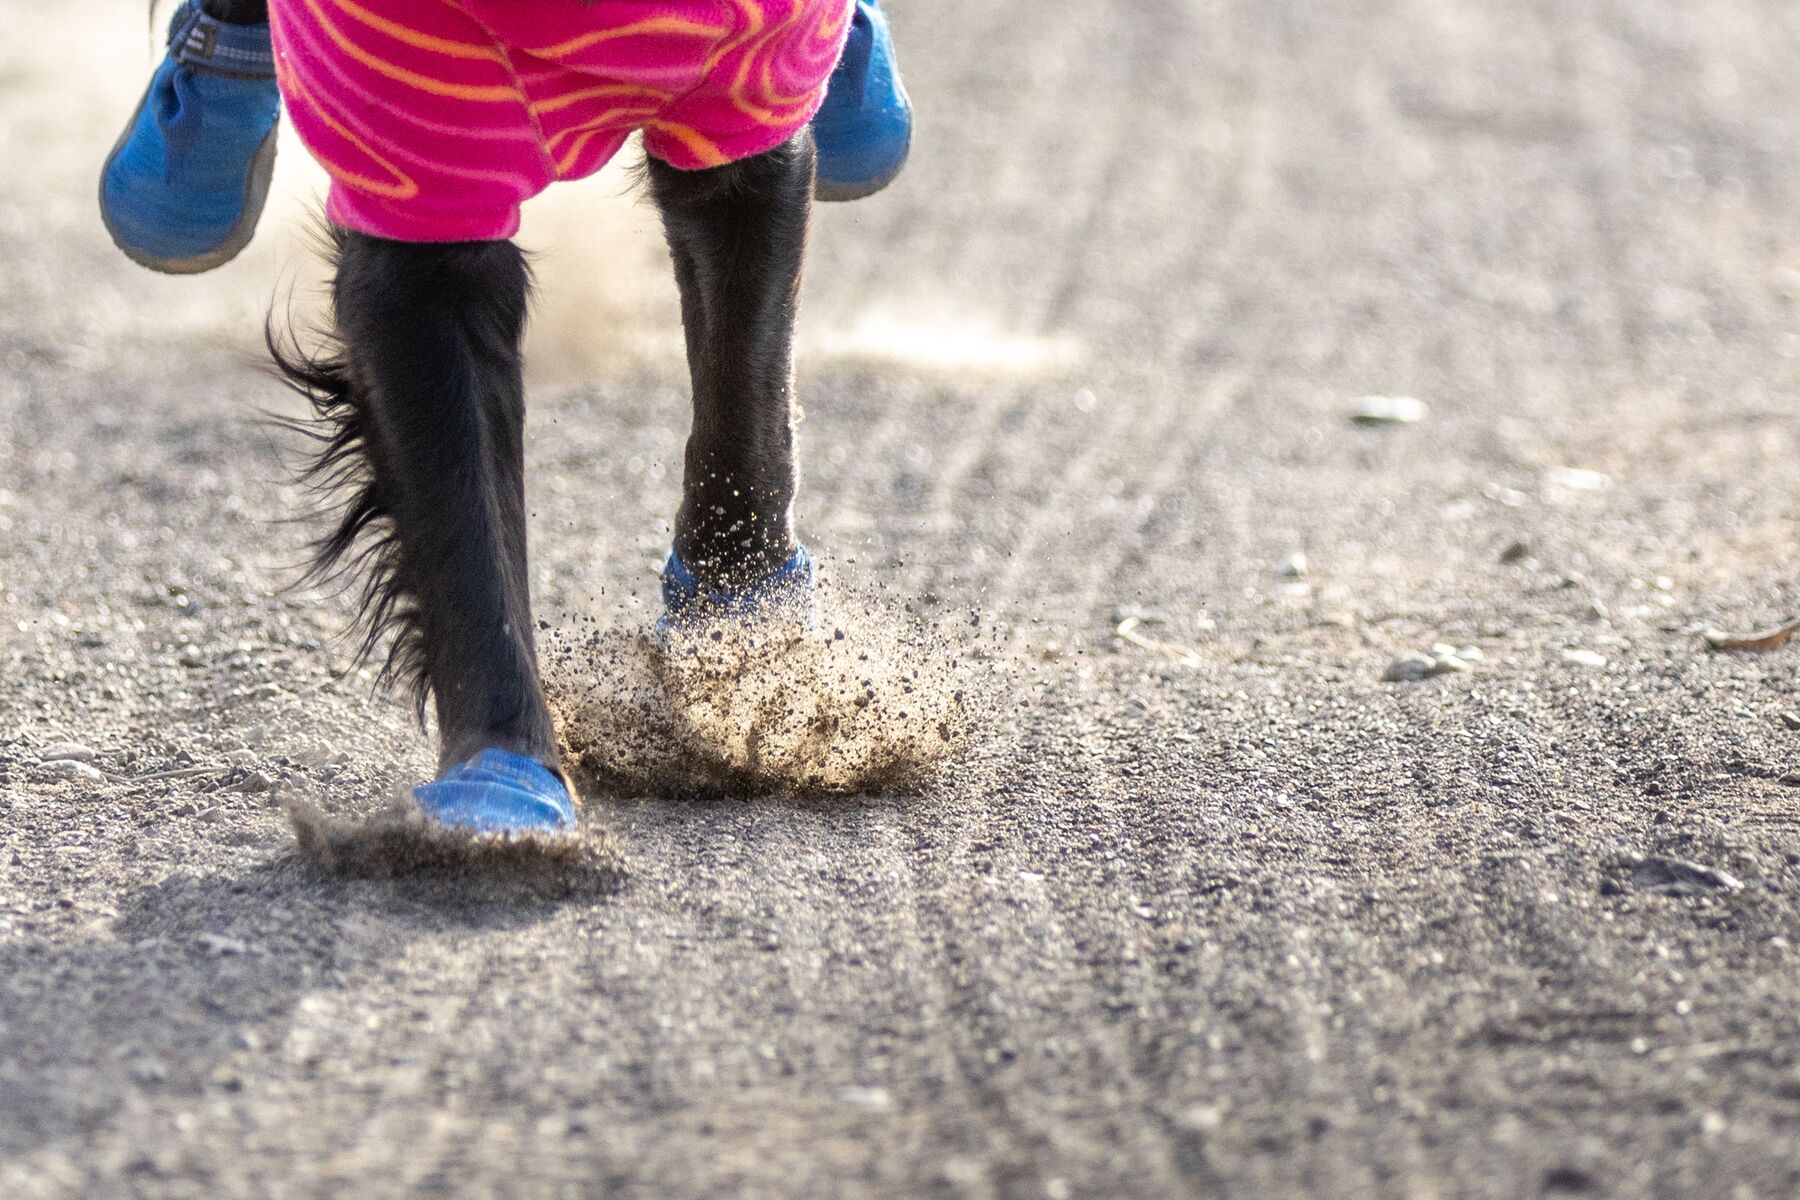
{"x": 437, "y": 118}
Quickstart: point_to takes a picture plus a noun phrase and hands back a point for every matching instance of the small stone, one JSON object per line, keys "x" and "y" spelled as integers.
{"x": 1409, "y": 668}
{"x": 1444, "y": 659}
{"x": 1578, "y": 479}
{"x": 68, "y": 752}
{"x": 149, "y": 1070}
{"x": 1517, "y": 552}
{"x": 218, "y": 943}
{"x": 1389, "y": 410}
{"x": 1203, "y": 1118}
{"x": 64, "y": 768}
{"x": 873, "y": 1098}
{"x": 191, "y": 656}
{"x": 1584, "y": 658}
{"x": 241, "y": 758}
{"x": 1292, "y": 567}
{"x": 1791, "y": 720}
{"x": 1568, "y": 1181}
{"x": 1677, "y": 877}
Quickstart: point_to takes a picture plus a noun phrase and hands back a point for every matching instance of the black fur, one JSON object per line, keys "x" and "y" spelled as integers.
{"x": 420, "y": 412}
{"x": 359, "y": 546}
{"x": 238, "y": 12}
{"x": 737, "y": 235}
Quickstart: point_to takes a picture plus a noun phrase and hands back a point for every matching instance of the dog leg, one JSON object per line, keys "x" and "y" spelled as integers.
{"x": 428, "y": 407}
{"x": 737, "y": 234}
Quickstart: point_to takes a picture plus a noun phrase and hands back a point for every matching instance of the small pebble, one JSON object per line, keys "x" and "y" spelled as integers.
{"x": 874, "y": 1098}
{"x": 68, "y": 752}
{"x": 1791, "y": 720}
{"x": 1444, "y": 659}
{"x": 149, "y": 1070}
{"x": 1203, "y": 1118}
{"x": 1676, "y": 877}
{"x": 1584, "y": 658}
{"x": 1292, "y": 567}
{"x": 191, "y": 656}
{"x": 1516, "y": 552}
{"x": 1408, "y": 668}
{"x": 1389, "y": 410}
{"x": 64, "y": 768}
{"x": 1578, "y": 479}
{"x": 218, "y": 943}
{"x": 255, "y": 781}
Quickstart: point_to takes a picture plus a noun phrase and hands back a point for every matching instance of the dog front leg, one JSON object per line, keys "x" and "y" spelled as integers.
{"x": 430, "y": 408}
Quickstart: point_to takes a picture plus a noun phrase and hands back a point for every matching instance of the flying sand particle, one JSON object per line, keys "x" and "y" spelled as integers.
{"x": 864, "y": 701}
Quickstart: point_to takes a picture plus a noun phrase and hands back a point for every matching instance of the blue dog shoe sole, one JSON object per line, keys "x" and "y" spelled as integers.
{"x": 837, "y": 191}
{"x": 789, "y": 594}
{"x": 184, "y": 186}
{"x": 499, "y": 793}
{"x": 863, "y": 131}
{"x": 256, "y": 197}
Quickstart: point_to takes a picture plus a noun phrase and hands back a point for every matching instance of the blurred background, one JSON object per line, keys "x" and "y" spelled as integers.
{"x": 1145, "y": 272}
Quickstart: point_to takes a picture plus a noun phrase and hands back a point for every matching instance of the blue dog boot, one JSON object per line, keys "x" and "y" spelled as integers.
{"x": 499, "y": 792}
{"x": 790, "y": 594}
{"x": 183, "y": 187}
{"x": 864, "y": 129}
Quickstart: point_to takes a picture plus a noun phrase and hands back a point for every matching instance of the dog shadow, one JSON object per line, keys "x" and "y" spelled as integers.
{"x": 197, "y": 973}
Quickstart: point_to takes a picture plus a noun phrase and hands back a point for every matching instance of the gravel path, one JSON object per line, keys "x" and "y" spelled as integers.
{"x": 1213, "y": 910}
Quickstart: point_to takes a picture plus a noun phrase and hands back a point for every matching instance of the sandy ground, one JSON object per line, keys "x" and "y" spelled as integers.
{"x": 1211, "y": 910}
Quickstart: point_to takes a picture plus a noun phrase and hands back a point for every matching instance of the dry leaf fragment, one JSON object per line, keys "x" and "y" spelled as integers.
{"x": 1181, "y": 655}
{"x": 1773, "y": 639}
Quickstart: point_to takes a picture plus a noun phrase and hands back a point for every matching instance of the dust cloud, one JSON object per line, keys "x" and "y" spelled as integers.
{"x": 865, "y": 700}
{"x": 397, "y": 841}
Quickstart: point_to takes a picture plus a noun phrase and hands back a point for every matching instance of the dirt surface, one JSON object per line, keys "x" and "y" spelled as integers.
{"x": 1212, "y": 909}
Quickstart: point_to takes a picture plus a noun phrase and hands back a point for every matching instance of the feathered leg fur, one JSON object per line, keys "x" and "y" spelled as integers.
{"x": 423, "y": 407}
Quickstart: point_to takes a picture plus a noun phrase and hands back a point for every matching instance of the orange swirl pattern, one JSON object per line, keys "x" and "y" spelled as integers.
{"x": 437, "y": 119}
